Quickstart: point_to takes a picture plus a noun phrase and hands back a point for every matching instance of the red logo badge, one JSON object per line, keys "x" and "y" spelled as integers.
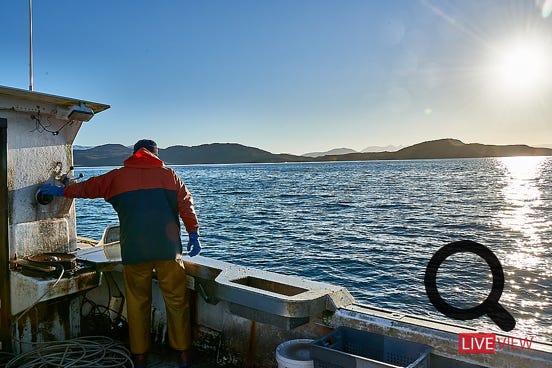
{"x": 476, "y": 343}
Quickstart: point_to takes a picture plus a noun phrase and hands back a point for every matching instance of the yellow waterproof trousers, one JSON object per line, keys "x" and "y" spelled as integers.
{"x": 172, "y": 282}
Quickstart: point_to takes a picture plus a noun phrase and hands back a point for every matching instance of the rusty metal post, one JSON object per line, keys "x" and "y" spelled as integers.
{"x": 5, "y": 312}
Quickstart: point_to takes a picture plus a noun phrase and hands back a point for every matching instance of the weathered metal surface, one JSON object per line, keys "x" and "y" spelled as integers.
{"x": 46, "y": 99}
{"x": 39, "y": 139}
{"x": 41, "y": 236}
{"x": 279, "y": 295}
{"x": 106, "y": 258}
{"x": 59, "y": 319}
{"x": 106, "y": 253}
{"x": 237, "y": 340}
{"x": 5, "y": 338}
{"x": 442, "y": 337}
{"x": 286, "y": 301}
{"x": 26, "y": 290}
{"x": 234, "y": 338}
{"x": 38, "y": 142}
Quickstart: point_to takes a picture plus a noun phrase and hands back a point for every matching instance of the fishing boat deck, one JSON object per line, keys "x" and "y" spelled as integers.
{"x": 103, "y": 352}
{"x": 241, "y": 315}
{"x": 164, "y": 357}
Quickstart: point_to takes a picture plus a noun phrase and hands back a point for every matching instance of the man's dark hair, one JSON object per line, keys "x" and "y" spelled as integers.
{"x": 147, "y": 144}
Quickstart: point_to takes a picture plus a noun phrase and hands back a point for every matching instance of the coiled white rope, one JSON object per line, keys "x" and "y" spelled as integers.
{"x": 82, "y": 352}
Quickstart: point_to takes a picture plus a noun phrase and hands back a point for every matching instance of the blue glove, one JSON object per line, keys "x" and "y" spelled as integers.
{"x": 50, "y": 189}
{"x": 194, "y": 246}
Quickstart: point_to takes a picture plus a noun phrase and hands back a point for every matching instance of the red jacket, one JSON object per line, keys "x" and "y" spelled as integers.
{"x": 148, "y": 198}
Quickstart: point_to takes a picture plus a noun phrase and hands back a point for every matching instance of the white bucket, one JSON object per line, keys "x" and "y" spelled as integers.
{"x": 294, "y": 354}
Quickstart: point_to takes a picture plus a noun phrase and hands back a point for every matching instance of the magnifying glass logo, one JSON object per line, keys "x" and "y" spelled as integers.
{"x": 489, "y": 306}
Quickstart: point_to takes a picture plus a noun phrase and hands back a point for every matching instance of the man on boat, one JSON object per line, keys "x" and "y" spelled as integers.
{"x": 148, "y": 198}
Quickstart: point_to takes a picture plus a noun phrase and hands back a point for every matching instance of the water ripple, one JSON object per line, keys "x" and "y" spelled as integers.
{"x": 373, "y": 226}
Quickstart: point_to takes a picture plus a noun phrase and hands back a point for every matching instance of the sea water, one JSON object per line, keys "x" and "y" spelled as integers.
{"x": 373, "y": 226}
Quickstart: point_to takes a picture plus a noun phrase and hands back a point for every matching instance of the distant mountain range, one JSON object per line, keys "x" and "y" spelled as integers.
{"x": 228, "y": 153}
{"x": 344, "y": 151}
{"x": 76, "y": 147}
{"x": 335, "y": 151}
{"x": 216, "y": 153}
{"x": 389, "y": 148}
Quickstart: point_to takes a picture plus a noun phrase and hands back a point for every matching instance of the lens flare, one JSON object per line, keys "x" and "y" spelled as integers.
{"x": 546, "y": 8}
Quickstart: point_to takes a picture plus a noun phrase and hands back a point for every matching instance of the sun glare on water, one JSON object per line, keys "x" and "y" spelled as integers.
{"x": 522, "y": 195}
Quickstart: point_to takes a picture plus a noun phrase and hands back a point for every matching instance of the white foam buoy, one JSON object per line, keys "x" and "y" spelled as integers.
{"x": 294, "y": 354}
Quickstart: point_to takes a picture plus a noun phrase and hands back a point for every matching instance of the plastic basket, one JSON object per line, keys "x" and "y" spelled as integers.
{"x": 350, "y": 348}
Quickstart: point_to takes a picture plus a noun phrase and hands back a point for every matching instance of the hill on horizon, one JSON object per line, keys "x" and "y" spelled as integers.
{"x": 447, "y": 148}
{"x": 214, "y": 153}
{"x": 389, "y": 148}
{"x": 344, "y": 151}
{"x": 231, "y": 153}
{"x": 335, "y": 151}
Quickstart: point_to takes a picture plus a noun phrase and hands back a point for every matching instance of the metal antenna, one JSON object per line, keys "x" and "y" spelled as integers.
{"x": 31, "y": 81}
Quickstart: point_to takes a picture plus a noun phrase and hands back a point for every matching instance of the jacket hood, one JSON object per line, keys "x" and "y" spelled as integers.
{"x": 143, "y": 159}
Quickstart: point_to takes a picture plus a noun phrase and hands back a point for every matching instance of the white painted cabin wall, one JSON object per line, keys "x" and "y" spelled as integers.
{"x": 32, "y": 158}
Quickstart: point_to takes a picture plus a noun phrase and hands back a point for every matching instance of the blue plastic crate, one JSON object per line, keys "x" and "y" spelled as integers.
{"x": 350, "y": 348}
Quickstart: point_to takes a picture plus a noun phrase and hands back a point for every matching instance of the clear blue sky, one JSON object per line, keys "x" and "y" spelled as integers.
{"x": 292, "y": 76}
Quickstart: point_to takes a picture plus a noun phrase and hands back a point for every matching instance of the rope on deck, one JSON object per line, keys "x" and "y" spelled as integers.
{"x": 82, "y": 352}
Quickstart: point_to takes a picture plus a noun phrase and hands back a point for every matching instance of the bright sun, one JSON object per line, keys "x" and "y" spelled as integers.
{"x": 521, "y": 67}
